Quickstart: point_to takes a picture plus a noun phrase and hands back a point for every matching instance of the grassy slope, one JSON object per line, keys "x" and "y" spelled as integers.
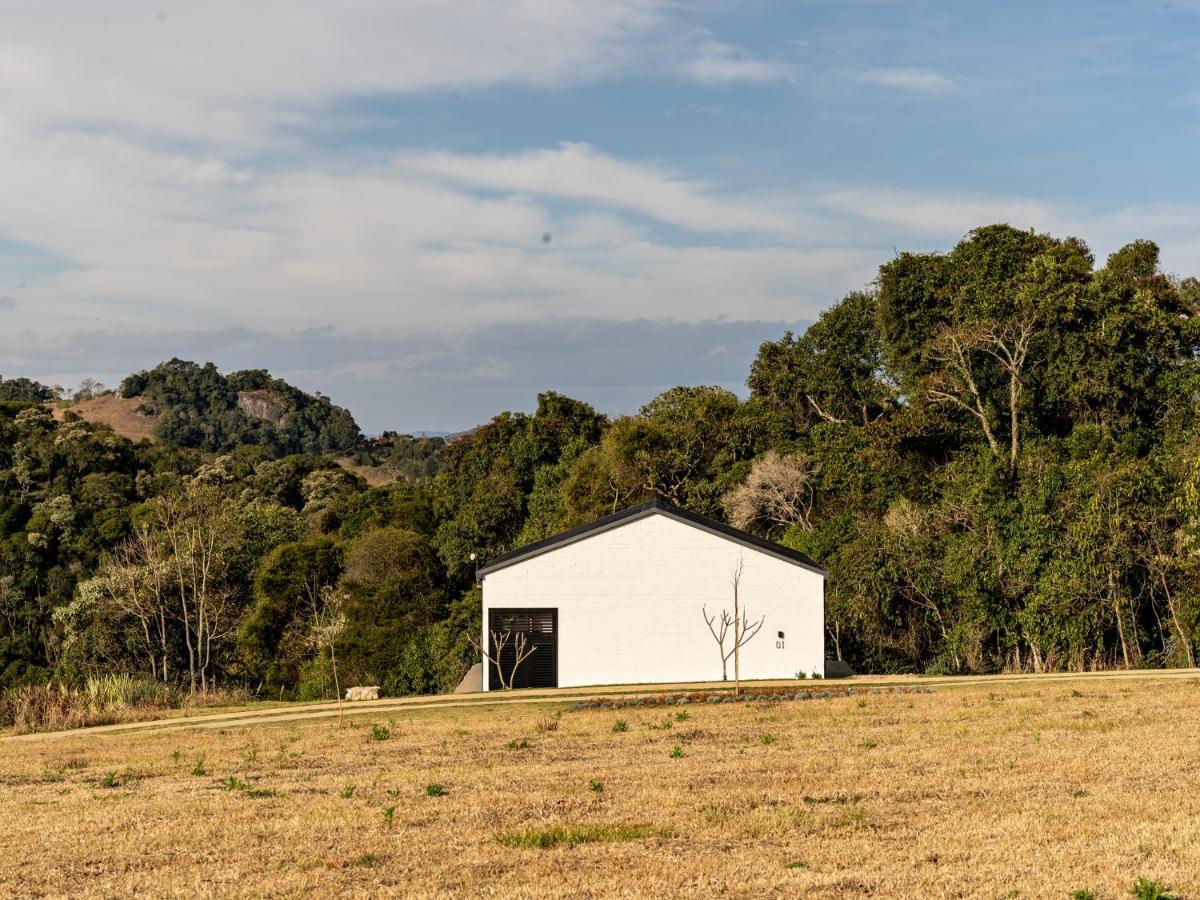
{"x": 1039, "y": 786}
{"x": 118, "y": 413}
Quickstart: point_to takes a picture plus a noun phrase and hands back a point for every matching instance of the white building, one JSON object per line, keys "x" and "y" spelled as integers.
{"x": 622, "y": 601}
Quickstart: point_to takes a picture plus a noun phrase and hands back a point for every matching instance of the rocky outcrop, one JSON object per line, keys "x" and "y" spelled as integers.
{"x": 263, "y": 405}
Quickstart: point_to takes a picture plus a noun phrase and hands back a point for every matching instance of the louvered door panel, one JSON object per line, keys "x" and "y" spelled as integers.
{"x": 540, "y": 628}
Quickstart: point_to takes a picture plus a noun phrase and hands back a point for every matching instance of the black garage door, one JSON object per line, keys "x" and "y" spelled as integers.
{"x": 540, "y": 628}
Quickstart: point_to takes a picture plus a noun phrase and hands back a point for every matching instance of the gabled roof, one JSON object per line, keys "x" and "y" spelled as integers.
{"x": 654, "y": 507}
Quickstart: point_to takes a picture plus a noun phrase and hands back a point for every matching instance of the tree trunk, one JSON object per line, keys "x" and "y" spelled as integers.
{"x": 737, "y": 640}
{"x": 1014, "y": 399}
{"x": 336, "y": 687}
{"x": 1121, "y": 635}
{"x": 1183, "y": 635}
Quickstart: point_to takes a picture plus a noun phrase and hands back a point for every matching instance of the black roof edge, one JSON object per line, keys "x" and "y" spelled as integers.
{"x": 631, "y": 513}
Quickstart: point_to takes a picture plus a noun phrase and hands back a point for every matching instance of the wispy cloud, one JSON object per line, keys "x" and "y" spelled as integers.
{"x": 715, "y": 62}
{"x": 579, "y": 171}
{"x": 920, "y": 81}
{"x": 944, "y": 217}
{"x": 941, "y": 215}
{"x": 153, "y": 69}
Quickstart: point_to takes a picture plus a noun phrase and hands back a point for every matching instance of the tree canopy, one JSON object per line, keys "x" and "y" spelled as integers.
{"x": 995, "y": 451}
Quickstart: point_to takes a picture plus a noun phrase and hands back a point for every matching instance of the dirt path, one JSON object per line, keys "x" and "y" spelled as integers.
{"x": 298, "y": 712}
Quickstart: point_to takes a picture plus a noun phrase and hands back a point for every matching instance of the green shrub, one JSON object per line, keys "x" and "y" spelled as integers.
{"x": 434, "y": 790}
{"x": 379, "y": 733}
{"x": 676, "y": 752}
{"x": 545, "y": 837}
{"x": 316, "y": 679}
{"x": 112, "y": 692}
{"x": 620, "y": 725}
{"x": 1151, "y": 889}
{"x": 596, "y": 786}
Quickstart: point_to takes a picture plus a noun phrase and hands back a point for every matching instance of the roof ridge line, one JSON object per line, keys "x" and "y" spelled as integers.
{"x": 632, "y": 513}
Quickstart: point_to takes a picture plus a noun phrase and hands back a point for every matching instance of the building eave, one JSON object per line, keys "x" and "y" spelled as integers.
{"x": 633, "y": 514}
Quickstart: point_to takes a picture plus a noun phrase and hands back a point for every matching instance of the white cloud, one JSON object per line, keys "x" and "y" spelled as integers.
{"x": 714, "y": 62}
{"x": 946, "y": 217}
{"x": 160, "y": 240}
{"x": 921, "y": 81}
{"x": 154, "y": 159}
{"x": 578, "y": 171}
{"x": 915, "y": 213}
{"x": 235, "y": 72}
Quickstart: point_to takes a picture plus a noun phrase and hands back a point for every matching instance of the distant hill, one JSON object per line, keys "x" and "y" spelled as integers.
{"x": 24, "y": 390}
{"x": 192, "y": 405}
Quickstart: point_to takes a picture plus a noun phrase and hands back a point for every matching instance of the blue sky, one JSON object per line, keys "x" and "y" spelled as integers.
{"x": 354, "y": 195}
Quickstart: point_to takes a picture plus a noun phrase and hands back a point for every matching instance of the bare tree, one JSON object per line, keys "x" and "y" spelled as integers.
{"x": 131, "y": 580}
{"x": 522, "y": 650}
{"x": 719, "y": 633}
{"x": 1159, "y": 562}
{"x": 778, "y": 492}
{"x": 89, "y": 389}
{"x": 328, "y": 618}
{"x": 956, "y": 383}
{"x": 196, "y": 534}
{"x": 743, "y": 629}
{"x": 1009, "y": 346}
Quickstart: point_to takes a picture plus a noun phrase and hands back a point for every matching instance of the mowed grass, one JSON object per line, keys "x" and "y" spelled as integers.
{"x": 1028, "y": 789}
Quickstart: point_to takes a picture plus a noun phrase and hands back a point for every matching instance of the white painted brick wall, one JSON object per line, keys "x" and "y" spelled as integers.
{"x": 629, "y": 605}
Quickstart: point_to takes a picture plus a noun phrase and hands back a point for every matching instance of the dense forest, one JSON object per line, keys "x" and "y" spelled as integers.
{"x": 993, "y": 450}
{"x": 198, "y": 407}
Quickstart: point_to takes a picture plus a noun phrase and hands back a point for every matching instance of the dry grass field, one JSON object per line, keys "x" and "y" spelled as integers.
{"x": 1033, "y": 788}
{"x": 118, "y": 413}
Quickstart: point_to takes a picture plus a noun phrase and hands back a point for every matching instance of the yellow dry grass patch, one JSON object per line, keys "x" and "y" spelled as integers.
{"x": 976, "y": 791}
{"x": 118, "y": 413}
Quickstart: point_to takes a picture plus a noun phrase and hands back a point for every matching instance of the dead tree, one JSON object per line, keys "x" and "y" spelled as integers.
{"x": 522, "y": 650}
{"x": 778, "y": 492}
{"x": 743, "y": 630}
{"x": 956, "y": 383}
{"x": 328, "y": 621}
{"x": 719, "y": 636}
